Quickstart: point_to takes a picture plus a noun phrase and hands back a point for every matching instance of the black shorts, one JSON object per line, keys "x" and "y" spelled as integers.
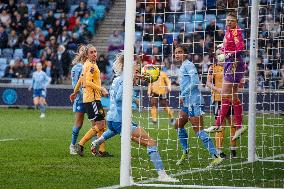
{"x": 161, "y": 97}
{"x": 217, "y": 106}
{"x": 95, "y": 110}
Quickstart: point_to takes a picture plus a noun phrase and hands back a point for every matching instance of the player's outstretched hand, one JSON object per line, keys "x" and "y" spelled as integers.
{"x": 72, "y": 97}
{"x": 104, "y": 91}
{"x": 181, "y": 101}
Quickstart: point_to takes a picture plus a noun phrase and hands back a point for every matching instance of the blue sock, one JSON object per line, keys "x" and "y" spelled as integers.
{"x": 183, "y": 138}
{"x": 155, "y": 157}
{"x": 207, "y": 142}
{"x": 41, "y": 108}
{"x": 108, "y": 134}
{"x": 75, "y": 133}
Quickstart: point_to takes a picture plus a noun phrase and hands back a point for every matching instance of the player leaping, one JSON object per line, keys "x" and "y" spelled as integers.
{"x": 192, "y": 105}
{"x": 215, "y": 82}
{"x": 114, "y": 118}
{"x": 234, "y": 67}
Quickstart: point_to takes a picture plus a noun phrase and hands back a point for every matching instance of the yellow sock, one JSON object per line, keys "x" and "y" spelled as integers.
{"x": 92, "y": 132}
{"x": 169, "y": 112}
{"x": 219, "y": 137}
{"x": 233, "y": 131}
{"x": 102, "y": 147}
{"x": 154, "y": 113}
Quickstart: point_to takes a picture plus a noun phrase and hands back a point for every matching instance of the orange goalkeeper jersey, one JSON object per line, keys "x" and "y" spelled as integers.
{"x": 90, "y": 81}
{"x": 160, "y": 86}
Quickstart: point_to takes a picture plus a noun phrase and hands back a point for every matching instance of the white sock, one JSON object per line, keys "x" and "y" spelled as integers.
{"x": 162, "y": 173}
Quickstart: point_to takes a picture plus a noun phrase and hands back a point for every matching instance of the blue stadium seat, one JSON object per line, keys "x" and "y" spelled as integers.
{"x": 7, "y": 53}
{"x": 38, "y": 23}
{"x": 100, "y": 11}
{"x": 146, "y": 46}
{"x": 221, "y": 25}
{"x": 3, "y": 61}
{"x": 3, "y": 65}
{"x": 185, "y": 17}
{"x": 18, "y": 53}
{"x": 198, "y": 17}
{"x": 138, "y": 36}
{"x": 57, "y": 15}
{"x": 72, "y": 9}
{"x": 170, "y": 26}
{"x": 179, "y": 26}
{"x": 158, "y": 44}
{"x": 93, "y": 3}
{"x": 210, "y": 17}
{"x": 189, "y": 27}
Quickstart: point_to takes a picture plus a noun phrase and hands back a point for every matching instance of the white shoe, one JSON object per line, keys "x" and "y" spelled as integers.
{"x": 42, "y": 115}
{"x": 172, "y": 122}
{"x": 72, "y": 149}
{"x": 213, "y": 129}
{"x": 167, "y": 178}
{"x": 239, "y": 132}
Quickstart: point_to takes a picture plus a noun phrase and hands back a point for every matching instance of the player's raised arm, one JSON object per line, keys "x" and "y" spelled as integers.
{"x": 149, "y": 89}
{"x": 168, "y": 82}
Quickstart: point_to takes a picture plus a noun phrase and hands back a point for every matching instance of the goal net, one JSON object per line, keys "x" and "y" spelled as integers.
{"x": 200, "y": 26}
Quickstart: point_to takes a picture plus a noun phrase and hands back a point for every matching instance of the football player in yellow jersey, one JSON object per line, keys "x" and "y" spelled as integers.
{"x": 215, "y": 83}
{"x": 92, "y": 92}
{"x": 159, "y": 93}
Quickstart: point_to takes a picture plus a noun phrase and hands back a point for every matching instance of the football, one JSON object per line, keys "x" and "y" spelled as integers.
{"x": 150, "y": 73}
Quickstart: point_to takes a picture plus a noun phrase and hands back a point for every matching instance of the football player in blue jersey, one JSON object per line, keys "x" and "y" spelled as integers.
{"x": 40, "y": 81}
{"x": 78, "y": 107}
{"x": 114, "y": 119}
{"x": 191, "y": 102}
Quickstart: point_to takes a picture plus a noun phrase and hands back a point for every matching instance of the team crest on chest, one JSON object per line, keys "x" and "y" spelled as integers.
{"x": 92, "y": 70}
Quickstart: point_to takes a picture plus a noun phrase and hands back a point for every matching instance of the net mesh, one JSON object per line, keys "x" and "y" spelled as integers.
{"x": 200, "y": 26}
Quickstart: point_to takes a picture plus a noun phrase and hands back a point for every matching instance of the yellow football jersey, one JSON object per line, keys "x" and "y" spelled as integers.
{"x": 217, "y": 81}
{"x": 91, "y": 82}
{"x": 159, "y": 87}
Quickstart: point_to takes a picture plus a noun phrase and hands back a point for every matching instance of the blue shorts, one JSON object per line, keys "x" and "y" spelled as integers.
{"x": 116, "y": 127}
{"x": 193, "y": 110}
{"x": 78, "y": 107}
{"x": 39, "y": 93}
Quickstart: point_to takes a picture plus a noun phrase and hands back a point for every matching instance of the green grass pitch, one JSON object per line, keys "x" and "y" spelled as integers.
{"x": 34, "y": 153}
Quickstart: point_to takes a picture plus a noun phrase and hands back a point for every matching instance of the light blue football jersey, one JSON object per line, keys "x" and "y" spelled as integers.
{"x": 189, "y": 82}
{"x": 75, "y": 75}
{"x": 115, "y": 110}
{"x": 40, "y": 80}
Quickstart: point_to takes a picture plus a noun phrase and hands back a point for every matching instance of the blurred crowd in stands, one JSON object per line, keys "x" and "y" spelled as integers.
{"x": 45, "y": 31}
{"x": 50, "y": 31}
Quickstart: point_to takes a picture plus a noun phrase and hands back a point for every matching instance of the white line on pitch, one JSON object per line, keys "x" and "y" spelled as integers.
{"x": 110, "y": 187}
{"x": 200, "y": 186}
{"x": 8, "y": 139}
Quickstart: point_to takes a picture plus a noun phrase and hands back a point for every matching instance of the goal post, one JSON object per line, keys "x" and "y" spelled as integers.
{"x": 252, "y": 81}
{"x": 127, "y": 92}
